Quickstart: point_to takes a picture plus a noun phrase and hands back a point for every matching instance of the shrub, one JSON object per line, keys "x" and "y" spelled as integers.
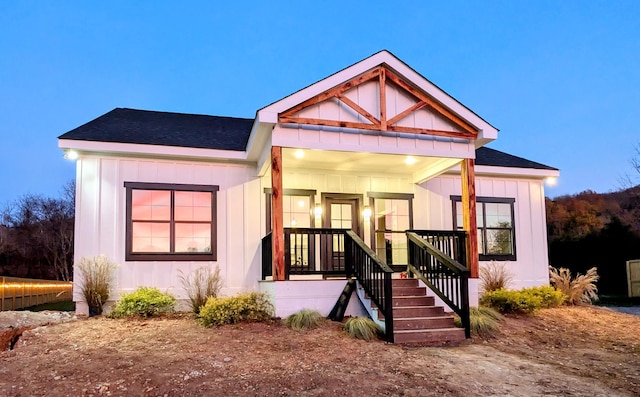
{"x": 495, "y": 276}
{"x": 201, "y": 285}
{"x": 304, "y": 319}
{"x": 253, "y": 306}
{"x": 144, "y": 302}
{"x": 526, "y": 300}
{"x": 362, "y": 328}
{"x": 484, "y": 321}
{"x": 96, "y": 281}
{"x": 549, "y": 296}
{"x": 582, "y": 289}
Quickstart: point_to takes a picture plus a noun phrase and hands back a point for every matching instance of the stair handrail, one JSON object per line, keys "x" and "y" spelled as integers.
{"x": 445, "y": 276}
{"x": 373, "y": 274}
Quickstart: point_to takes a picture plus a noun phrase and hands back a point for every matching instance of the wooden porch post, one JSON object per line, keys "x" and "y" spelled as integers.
{"x": 277, "y": 232}
{"x": 469, "y": 221}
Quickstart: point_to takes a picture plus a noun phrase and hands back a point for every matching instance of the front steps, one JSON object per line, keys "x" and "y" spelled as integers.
{"x": 416, "y": 319}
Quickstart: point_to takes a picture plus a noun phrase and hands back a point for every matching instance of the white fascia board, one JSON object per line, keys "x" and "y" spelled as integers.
{"x": 152, "y": 150}
{"x": 510, "y": 172}
{"x": 270, "y": 113}
{"x": 259, "y": 138}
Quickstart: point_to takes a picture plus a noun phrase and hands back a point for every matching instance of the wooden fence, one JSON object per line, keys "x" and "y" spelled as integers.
{"x": 633, "y": 277}
{"x": 18, "y": 293}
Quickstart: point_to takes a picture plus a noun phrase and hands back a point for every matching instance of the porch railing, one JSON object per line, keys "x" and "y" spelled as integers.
{"x": 447, "y": 277}
{"x": 267, "y": 256}
{"x": 452, "y": 243}
{"x": 314, "y": 251}
{"x": 373, "y": 275}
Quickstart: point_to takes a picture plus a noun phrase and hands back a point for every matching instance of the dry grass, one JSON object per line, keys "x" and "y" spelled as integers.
{"x": 95, "y": 281}
{"x": 304, "y": 319}
{"x": 201, "y": 285}
{"x": 495, "y": 276}
{"x": 362, "y": 328}
{"x": 580, "y": 290}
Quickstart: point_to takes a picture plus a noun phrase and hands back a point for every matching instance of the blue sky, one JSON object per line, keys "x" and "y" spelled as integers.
{"x": 560, "y": 79}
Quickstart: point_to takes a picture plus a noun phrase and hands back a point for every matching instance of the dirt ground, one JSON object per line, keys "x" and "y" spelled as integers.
{"x": 582, "y": 351}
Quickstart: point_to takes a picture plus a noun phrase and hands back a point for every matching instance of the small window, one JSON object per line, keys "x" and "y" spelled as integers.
{"x": 170, "y": 222}
{"x": 496, "y": 230}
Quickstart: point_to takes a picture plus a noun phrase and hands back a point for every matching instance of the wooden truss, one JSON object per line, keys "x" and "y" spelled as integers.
{"x": 380, "y": 122}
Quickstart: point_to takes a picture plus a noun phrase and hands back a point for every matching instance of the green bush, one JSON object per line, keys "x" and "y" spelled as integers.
{"x": 304, "y": 319}
{"x": 253, "y": 306}
{"x": 549, "y": 296}
{"x": 144, "y": 302}
{"x": 363, "y": 328}
{"x": 526, "y": 300}
{"x": 484, "y": 321}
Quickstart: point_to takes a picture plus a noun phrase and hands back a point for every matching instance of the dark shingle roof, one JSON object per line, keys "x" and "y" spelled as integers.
{"x": 124, "y": 125}
{"x": 496, "y": 158}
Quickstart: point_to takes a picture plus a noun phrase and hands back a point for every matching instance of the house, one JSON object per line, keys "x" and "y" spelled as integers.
{"x": 362, "y": 173}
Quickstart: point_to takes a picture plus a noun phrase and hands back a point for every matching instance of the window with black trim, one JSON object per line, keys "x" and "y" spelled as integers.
{"x": 392, "y": 216}
{"x": 496, "y": 230}
{"x": 170, "y": 222}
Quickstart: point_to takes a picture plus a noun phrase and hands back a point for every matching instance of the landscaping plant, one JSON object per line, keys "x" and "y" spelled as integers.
{"x": 252, "y": 306}
{"x": 525, "y": 300}
{"x": 484, "y": 320}
{"x": 201, "y": 285}
{"x": 494, "y": 276}
{"x": 363, "y": 328}
{"x": 304, "y": 319}
{"x": 582, "y": 289}
{"x": 96, "y": 279}
{"x": 144, "y": 302}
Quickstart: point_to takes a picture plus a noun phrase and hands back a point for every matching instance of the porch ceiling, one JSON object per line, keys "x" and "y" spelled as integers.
{"x": 419, "y": 167}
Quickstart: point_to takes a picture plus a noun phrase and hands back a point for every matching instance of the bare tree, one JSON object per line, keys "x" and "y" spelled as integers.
{"x": 38, "y": 231}
{"x": 632, "y": 180}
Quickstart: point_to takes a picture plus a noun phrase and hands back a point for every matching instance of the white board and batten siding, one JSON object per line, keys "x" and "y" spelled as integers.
{"x": 531, "y": 265}
{"x": 101, "y": 219}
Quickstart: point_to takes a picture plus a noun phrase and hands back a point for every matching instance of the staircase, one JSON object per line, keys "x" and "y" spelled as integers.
{"x": 416, "y": 319}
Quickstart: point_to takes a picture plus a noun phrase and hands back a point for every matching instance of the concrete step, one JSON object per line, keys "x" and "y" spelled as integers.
{"x": 428, "y": 336}
{"x": 415, "y": 323}
{"x": 403, "y": 301}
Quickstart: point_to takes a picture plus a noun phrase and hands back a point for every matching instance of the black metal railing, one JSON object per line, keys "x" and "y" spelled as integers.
{"x": 373, "y": 275}
{"x": 267, "y": 256}
{"x": 314, "y": 251}
{"x": 447, "y": 277}
{"x": 452, "y": 243}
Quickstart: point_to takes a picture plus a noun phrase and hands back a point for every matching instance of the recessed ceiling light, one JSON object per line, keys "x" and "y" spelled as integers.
{"x": 299, "y": 154}
{"x": 410, "y": 160}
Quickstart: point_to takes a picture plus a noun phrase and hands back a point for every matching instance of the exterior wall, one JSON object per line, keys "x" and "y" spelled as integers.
{"x": 100, "y": 220}
{"x": 323, "y": 181}
{"x": 289, "y": 297}
{"x": 531, "y": 265}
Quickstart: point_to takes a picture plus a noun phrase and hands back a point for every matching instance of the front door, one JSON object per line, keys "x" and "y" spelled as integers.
{"x": 342, "y": 212}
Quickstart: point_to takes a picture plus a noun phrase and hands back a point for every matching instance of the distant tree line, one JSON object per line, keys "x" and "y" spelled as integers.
{"x": 36, "y": 236}
{"x": 602, "y": 230}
